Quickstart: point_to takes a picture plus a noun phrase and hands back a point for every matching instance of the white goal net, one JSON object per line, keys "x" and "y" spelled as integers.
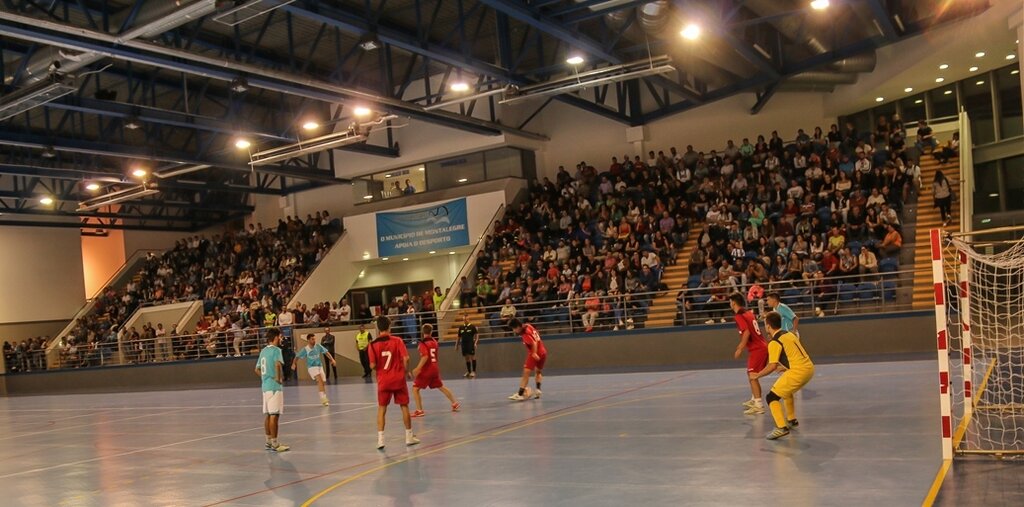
{"x": 985, "y": 309}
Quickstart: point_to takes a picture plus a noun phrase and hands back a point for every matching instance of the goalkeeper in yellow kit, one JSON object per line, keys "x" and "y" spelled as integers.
{"x": 784, "y": 349}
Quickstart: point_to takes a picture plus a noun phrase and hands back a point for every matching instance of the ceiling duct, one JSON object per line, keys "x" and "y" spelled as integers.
{"x": 154, "y": 18}
{"x": 35, "y": 95}
{"x": 357, "y": 133}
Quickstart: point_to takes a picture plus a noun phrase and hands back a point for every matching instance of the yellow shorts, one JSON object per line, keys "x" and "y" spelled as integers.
{"x": 790, "y": 382}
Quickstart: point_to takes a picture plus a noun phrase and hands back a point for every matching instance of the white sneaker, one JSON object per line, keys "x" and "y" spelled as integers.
{"x": 380, "y": 443}
{"x": 237, "y": 355}
{"x": 412, "y": 440}
{"x": 517, "y": 397}
{"x": 472, "y": 375}
{"x": 749, "y": 403}
{"x": 754, "y": 410}
{"x": 709, "y": 321}
{"x": 280, "y": 448}
{"x": 536, "y": 394}
{"x": 721, "y": 321}
{"x": 325, "y": 402}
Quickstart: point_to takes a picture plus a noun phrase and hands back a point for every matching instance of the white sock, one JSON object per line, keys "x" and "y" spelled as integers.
{"x": 380, "y": 435}
{"x": 273, "y": 442}
{"x": 269, "y": 439}
{"x": 323, "y": 396}
{"x": 408, "y": 434}
{"x": 758, "y": 403}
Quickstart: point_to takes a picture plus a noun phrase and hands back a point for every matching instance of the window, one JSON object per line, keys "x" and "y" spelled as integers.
{"x": 977, "y": 98}
{"x": 1013, "y": 177}
{"x": 913, "y": 109}
{"x": 986, "y": 188}
{"x": 1008, "y": 88}
{"x": 503, "y": 163}
{"x": 943, "y": 102}
{"x": 458, "y": 170}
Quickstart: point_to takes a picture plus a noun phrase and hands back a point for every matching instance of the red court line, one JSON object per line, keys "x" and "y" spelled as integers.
{"x": 457, "y": 439}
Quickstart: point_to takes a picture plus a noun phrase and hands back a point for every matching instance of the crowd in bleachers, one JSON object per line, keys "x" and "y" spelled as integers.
{"x": 26, "y": 355}
{"x": 589, "y": 245}
{"x": 243, "y": 278}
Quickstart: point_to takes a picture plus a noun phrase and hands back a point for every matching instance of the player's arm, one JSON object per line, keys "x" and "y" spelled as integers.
{"x": 796, "y": 321}
{"x": 768, "y": 370}
{"x": 278, "y": 367}
{"x": 744, "y": 339}
{"x": 329, "y": 355}
{"x": 476, "y": 337}
{"x": 533, "y": 350}
{"x": 295, "y": 360}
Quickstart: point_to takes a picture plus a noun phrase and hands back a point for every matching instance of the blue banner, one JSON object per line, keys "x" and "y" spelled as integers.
{"x": 435, "y": 227}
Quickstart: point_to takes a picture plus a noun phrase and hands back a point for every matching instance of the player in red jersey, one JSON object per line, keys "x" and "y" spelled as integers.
{"x": 426, "y": 373}
{"x": 534, "y": 360}
{"x": 390, "y": 358}
{"x": 757, "y": 350}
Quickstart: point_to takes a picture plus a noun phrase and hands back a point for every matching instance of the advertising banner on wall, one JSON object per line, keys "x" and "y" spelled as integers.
{"x": 435, "y": 227}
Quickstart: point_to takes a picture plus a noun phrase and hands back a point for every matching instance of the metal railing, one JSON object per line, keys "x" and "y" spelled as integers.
{"x": 868, "y": 293}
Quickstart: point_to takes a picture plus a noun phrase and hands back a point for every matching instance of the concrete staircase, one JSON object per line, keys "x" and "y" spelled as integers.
{"x": 662, "y": 310}
{"x": 928, "y": 218}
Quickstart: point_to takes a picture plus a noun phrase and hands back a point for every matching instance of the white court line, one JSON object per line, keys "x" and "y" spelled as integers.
{"x": 158, "y": 447}
{"x": 65, "y": 428}
{"x": 173, "y": 408}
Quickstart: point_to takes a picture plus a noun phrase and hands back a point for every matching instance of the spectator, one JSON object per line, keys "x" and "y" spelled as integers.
{"x": 943, "y": 195}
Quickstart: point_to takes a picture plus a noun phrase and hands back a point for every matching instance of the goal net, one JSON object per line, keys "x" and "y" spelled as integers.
{"x": 984, "y": 305}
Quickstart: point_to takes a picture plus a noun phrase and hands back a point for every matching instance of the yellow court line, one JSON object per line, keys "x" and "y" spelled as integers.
{"x": 531, "y": 422}
{"x": 961, "y": 430}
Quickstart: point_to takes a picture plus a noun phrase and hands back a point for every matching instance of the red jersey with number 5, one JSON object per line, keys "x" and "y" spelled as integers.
{"x": 428, "y": 349}
{"x": 745, "y": 321}
{"x": 531, "y": 336}
{"x": 388, "y": 354}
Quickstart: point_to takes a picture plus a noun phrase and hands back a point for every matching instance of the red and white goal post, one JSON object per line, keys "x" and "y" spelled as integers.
{"x": 979, "y": 324}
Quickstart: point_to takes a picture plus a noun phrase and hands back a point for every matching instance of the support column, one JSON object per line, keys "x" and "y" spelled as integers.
{"x": 1016, "y": 23}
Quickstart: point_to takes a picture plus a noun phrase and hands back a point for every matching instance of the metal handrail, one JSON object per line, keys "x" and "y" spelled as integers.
{"x": 470, "y": 263}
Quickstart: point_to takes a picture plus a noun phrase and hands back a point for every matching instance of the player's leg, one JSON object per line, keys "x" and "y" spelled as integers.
{"x": 469, "y": 364}
{"x": 790, "y": 405}
{"x": 402, "y": 400}
{"x": 451, "y": 397}
{"x": 472, "y": 361}
{"x": 539, "y": 377}
{"x": 321, "y": 388}
{"x": 382, "y": 412}
{"x": 419, "y": 402}
{"x": 266, "y": 429}
{"x": 523, "y": 382}
{"x": 775, "y": 406}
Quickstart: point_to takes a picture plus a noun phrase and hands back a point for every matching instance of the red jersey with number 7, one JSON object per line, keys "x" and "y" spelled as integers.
{"x": 388, "y": 354}
{"x": 745, "y": 321}
{"x": 531, "y": 336}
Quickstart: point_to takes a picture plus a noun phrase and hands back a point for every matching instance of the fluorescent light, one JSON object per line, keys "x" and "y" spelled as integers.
{"x": 1011, "y": 56}
{"x": 979, "y": 54}
{"x": 979, "y": 83}
{"x": 691, "y": 31}
{"x": 947, "y": 92}
{"x": 819, "y": 5}
{"x": 986, "y": 220}
{"x": 908, "y": 89}
{"x": 46, "y": 201}
{"x": 405, "y": 258}
{"x": 451, "y": 253}
{"x": 574, "y": 60}
{"x": 460, "y": 86}
{"x": 973, "y": 69}
{"x": 366, "y": 255}
{"x": 423, "y": 169}
{"x": 918, "y": 101}
{"x": 463, "y": 180}
{"x": 361, "y": 111}
{"x": 993, "y": 195}
{"x": 387, "y": 175}
{"x": 383, "y": 258}
{"x": 139, "y": 172}
{"x": 939, "y": 79}
{"x": 367, "y": 197}
{"x": 93, "y": 186}
{"x": 127, "y": 194}
{"x": 242, "y": 144}
{"x": 944, "y": 66}
{"x": 432, "y": 252}
{"x": 1015, "y": 71}
{"x": 310, "y": 125}
{"x": 879, "y": 99}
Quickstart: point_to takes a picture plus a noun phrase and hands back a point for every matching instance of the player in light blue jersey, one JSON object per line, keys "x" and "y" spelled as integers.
{"x": 789, "y": 319}
{"x": 270, "y": 368}
{"x": 314, "y": 354}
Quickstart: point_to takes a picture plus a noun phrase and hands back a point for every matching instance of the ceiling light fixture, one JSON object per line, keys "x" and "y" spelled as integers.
{"x": 49, "y": 152}
{"x": 460, "y": 87}
{"x": 918, "y": 101}
{"x": 463, "y": 180}
{"x": 574, "y": 60}
{"x": 1014, "y": 72}
{"x": 908, "y": 89}
{"x": 879, "y": 99}
{"x": 139, "y": 172}
{"x": 944, "y": 66}
{"x": 432, "y": 252}
{"x": 979, "y": 54}
{"x": 239, "y": 85}
{"x": 947, "y": 92}
{"x": 979, "y": 83}
{"x": 367, "y": 197}
{"x": 405, "y": 258}
{"x": 1011, "y": 56}
{"x": 310, "y": 125}
{"x": 973, "y": 69}
{"x": 939, "y": 79}
{"x": 132, "y": 123}
{"x": 361, "y": 111}
{"x": 46, "y": 201}
{"x": 384, "y": 258}
{"x": 92, "y": 187}
{"x": 691, "y": 31}
{"x": 451, "y": 253}
{"x": 819, "y": 5}
{"x": 369, "y": 41}
{"x": 242, "y": 144}
{"x": 37, "y": 94}
{"x": 127, "y": 194}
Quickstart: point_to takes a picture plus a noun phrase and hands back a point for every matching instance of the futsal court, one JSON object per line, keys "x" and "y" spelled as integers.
{"x": 867, "y": 437}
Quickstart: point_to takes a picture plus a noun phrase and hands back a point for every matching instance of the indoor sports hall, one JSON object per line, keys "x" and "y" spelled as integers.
{"x": 511, "y": 252}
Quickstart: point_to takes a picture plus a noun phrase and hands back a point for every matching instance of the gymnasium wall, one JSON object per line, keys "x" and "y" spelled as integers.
{"x": 441, "y": 268}
{"x": 832, "y": 339}
{"x": 102, "y": 256}
{"x": 41, "y": 272}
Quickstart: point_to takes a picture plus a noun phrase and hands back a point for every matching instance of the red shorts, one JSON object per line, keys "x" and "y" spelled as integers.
{"x": 757, "y": 359}
{"x": 428, "y": 380}
{"x": 401, "y": 396}
{"x": 532, "y": 364}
